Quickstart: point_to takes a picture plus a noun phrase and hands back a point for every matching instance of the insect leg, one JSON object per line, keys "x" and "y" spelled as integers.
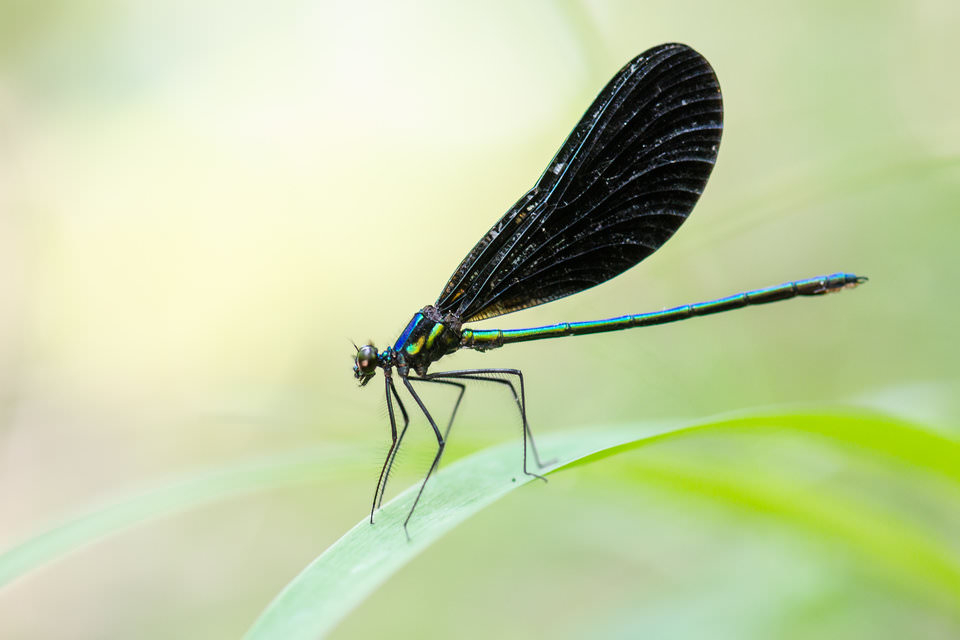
{"x": 436, "y": 459}
{"x": 393, "y": 458}
{"x": 484, "y": 375}
{"x": 456, "y": 405}
{"x": 392, "y": 454}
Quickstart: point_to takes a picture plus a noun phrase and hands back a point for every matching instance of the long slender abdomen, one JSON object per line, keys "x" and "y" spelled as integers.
{"x": 493, "y": 338}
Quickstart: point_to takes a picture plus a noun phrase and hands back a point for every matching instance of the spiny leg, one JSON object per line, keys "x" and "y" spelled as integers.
{"x": 473, "y": 374}
{"x": 392, "y": 454}
{"x": 388, "y": 387}
{"x": 521, "y": 406}
{"x": 481, "y": 374}
{"x": 436, "y": 459}
{"x": 456, "y": 405}
{"x": 391, "y": 459}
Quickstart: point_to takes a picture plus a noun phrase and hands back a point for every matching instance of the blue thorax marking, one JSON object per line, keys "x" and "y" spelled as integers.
{"x": 406, "y": 332}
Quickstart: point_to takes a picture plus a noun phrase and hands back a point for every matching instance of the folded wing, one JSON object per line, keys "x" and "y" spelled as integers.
{"x": 623, "y": 182}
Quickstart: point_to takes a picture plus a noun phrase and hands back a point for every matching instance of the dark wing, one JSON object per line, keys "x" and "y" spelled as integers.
{"x": 620, "y": 186}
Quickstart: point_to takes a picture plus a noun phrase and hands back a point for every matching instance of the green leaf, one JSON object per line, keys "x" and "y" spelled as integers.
{"x": 346, "y": 573}
{"x": 354, "y": 566}
{"x": 910, "y": 553}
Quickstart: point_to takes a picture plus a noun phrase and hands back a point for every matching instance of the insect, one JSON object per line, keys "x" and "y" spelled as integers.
{"x": 619, "y": 187}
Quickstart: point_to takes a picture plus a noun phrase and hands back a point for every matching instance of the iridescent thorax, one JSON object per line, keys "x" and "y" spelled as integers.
{"x": 428, "y": 337}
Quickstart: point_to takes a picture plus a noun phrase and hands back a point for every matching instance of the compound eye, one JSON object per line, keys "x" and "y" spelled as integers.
{"x": 367, "y": 360}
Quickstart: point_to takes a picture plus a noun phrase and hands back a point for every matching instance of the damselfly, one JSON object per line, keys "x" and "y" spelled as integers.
{"x": 623, "y": 182}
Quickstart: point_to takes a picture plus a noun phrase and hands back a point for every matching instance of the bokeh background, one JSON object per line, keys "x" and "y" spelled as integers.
{"x": 202, "y": 203}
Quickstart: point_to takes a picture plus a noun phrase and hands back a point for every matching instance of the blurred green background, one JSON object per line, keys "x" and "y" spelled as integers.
{"x": 202, "y": 203}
